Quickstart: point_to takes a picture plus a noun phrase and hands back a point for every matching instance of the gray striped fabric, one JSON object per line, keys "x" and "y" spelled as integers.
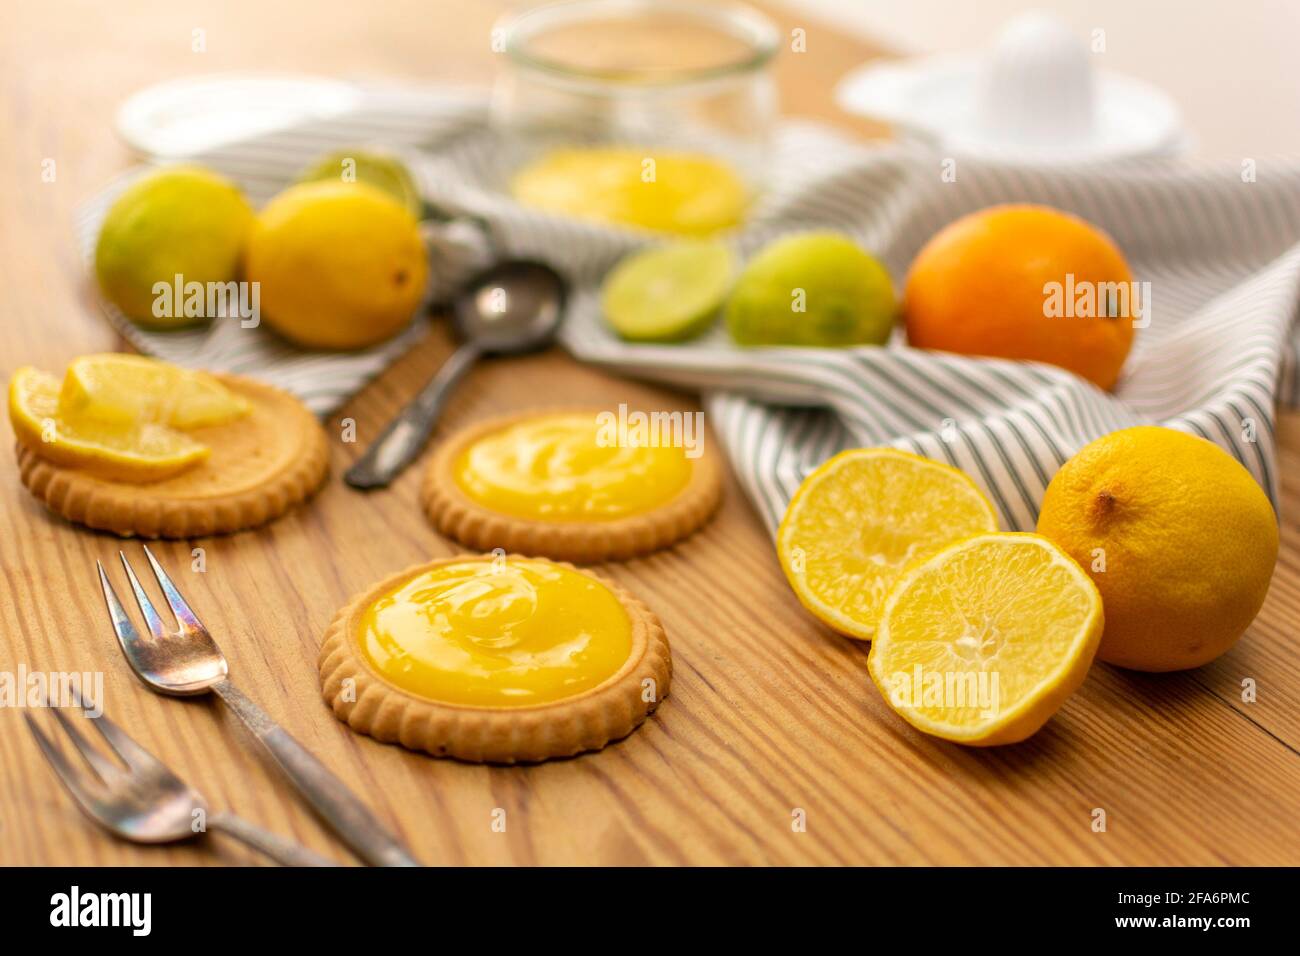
{"x": 1220, "y": 249}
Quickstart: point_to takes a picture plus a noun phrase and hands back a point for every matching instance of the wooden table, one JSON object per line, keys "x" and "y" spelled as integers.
{"x": 769, "y": 713}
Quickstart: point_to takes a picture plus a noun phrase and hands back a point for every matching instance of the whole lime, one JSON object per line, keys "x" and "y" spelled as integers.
{"x": 816, "y": 288}
{"x": 373, "y": 167}
{"x": 181, "y": 221}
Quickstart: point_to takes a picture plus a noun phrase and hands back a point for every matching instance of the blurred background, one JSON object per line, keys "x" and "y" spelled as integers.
{"x": 1229, "y": 64}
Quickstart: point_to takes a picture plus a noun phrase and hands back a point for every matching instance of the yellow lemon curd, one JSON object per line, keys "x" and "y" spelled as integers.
{"x": 497, "y": 633}
{"x": 562, "y": 467}
{"x": 683, "y": 193}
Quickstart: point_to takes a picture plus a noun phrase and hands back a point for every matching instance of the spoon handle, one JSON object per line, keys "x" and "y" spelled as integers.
{"x": 406, "y": 434}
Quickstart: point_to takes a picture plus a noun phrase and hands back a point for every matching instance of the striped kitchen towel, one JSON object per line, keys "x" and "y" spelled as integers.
{"x": 1219, "y": 245}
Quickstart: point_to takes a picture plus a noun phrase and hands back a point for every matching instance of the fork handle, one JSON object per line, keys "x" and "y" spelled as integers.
{"x": 338, "y": 806}
{"x": 285, "y": 852}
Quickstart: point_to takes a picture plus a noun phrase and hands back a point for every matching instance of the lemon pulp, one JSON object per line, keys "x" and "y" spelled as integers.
{"x": 982, "y": 642}
{"x": 117, "y": 416}
{"x": 689, "y": 194}
{"x": 858, "y": 520}
{"x": 129, "y": 389}
{"x": 563, "y": 468}
{"x": 497, "y": 634}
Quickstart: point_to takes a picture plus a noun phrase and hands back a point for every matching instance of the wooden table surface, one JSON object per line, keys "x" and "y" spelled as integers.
{"x": 769, "y": 713}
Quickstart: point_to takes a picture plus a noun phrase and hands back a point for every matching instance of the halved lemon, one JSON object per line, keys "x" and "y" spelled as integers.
{"x": 132, "y": 389}
{"x": 860, "y": 518}
{"x": 131, "y": 451}
{"x": 982, "y": 642}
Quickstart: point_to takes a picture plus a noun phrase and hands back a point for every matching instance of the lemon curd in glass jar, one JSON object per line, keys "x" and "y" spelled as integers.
{"x": 653, "y": 114}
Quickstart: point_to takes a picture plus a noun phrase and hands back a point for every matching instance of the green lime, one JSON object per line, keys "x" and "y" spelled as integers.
{"x": 181, "y": 221}
{"x": 668, "y": 293}
{"x": 816, "y": 288}
{"x": 381, "y": 170}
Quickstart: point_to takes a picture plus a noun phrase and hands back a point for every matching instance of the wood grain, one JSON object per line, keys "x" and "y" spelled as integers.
{"x": 769, "y": 713}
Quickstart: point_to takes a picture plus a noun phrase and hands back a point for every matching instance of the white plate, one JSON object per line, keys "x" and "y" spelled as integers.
{"x": 182, "y": 117}
{"x": 936, "y": 98}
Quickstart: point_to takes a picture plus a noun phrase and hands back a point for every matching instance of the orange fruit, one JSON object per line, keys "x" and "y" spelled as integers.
{"x": 1013, "y": 282}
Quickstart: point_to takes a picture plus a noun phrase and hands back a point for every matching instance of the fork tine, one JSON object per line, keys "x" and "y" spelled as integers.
{"x": 184, "y": 616}
{"x": 151, "y": 617}
{"x": 62, "y": 769}
{"x": 135, "y": 756}
{"x": 126, "y": 633}
{"x": 98, "y": 762}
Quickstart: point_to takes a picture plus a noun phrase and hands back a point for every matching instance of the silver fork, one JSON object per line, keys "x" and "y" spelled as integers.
{"x": 187, "y": 662}
{"x": 145, "y": 802}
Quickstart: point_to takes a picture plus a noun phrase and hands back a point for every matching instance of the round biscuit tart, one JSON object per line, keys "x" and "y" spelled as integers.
{"x": 260, "y": 466}
{"x": 495, "y": 658}
{"x": 552, "y": 483}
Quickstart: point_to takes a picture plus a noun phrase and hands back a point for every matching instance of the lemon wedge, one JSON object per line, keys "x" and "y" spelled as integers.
{"x": 128, "y": 389}
{"x": 860, "y": 518}
{"x": 982, "y": 642}
{"x": 111, "y": 428}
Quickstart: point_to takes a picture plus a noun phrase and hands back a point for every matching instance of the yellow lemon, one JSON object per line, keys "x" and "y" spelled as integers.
{"x": 126, "y": 389}
{"x": 125, "y": 451}
{"x": 687, "y": 194}
{"x": 982, "y": 642}
{"x": 860, "y": 518}
{"x": 182, "y": 221}
{"x": 339, "y": 265}
{"x": 1178, "y": 536}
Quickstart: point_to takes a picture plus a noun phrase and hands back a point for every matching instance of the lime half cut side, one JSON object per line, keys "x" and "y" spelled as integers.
{"x": 668, "y": 293}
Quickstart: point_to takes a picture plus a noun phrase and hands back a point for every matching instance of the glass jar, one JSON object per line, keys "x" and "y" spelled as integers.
{"x": 663, "y": 81}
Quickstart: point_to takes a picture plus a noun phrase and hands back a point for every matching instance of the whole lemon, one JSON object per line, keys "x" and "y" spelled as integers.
{"x": 812, "y": 288}
{"x": 339, "y": 265}
{"x": 182, "y": 220}
{"x": 1025, "y": 282}
{"x": 1179, "y": 538}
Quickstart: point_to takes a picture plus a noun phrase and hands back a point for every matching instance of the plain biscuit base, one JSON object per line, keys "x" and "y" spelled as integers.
{"x": 260, "y": 466}
{"x": 456, "y": 515}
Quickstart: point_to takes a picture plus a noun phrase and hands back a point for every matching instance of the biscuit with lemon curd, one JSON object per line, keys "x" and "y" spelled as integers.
{"x": 147, "y": 479}
{"x": 498, "y": 659}
{"x": 551, "y": 483}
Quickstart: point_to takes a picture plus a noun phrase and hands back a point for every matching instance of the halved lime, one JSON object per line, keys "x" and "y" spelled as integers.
{"x": 668, "y": 293}
{"x": 372, "y": 167}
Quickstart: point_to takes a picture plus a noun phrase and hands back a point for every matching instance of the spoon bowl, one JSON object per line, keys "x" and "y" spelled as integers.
{"x": 510, "y": 308}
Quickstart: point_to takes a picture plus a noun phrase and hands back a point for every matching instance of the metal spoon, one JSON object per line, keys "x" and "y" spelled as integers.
{"x": 513, "y": 307}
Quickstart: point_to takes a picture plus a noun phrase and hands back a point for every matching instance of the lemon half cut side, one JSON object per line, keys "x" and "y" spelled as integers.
{"x": 860, "y": 518}
{"x": 982, "y": 642}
